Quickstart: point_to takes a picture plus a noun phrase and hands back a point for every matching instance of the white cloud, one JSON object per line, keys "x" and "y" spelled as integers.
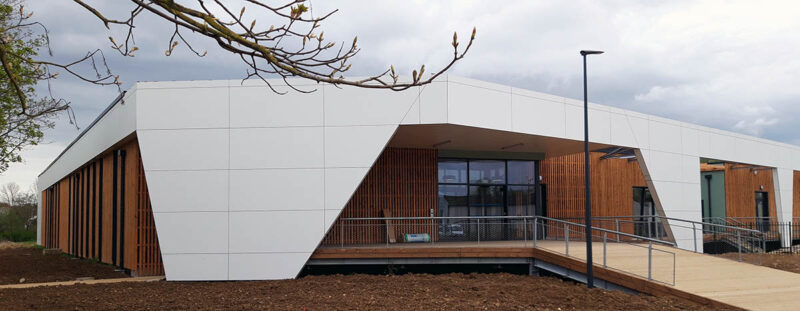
{"x": 755, "y": 127}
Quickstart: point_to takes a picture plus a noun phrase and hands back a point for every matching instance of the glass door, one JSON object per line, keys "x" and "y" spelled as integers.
{"x": 487, "y": 196}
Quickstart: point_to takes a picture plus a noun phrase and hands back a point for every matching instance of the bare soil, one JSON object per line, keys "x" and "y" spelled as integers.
{"x": 19, "y": 261}
{"x": 786, "y": 262}
{"x": 498, "y": 291}
{"x": 342, "y": 292}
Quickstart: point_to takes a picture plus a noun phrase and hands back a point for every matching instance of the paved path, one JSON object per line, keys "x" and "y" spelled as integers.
{"x": 100, "y": 281}
{"x": 736, "y": 283}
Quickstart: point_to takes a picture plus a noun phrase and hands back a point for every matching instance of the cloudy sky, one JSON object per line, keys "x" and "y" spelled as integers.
{"x": 732, "y": 65}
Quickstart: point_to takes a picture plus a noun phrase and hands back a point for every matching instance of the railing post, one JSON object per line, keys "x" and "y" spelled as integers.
{"x": 479, "y": 231}
{"x": 341, "y": 233}
{"x": 616, "y": 220}
{"x": 535, "y": 231}
{"x": 739, "y": 242}
{"x": 386, "y": 224}
{"x": 650, "y": 260}
{"x": 649, "y": 224}
{"x": 566, "y": 239}
{"x": 673, "y": 269}
{"x": 432, "y": 228}
{"x": 694, "y": 232}
{"x": 605, "y": 237}
{"x": 524, "y": 231}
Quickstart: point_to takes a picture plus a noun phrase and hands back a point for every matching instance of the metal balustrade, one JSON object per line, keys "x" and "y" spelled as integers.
{"x": 714, "y": 237}
{"x": 780, "y": 236}
{"x": 555, "y": 235}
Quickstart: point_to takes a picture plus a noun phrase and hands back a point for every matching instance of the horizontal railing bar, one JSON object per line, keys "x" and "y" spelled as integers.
{"x": 506, "y": 217}
{"x": 677, "y": 219}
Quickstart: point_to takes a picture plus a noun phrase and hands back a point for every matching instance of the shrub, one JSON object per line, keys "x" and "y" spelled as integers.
{"x": 15, "y": 226}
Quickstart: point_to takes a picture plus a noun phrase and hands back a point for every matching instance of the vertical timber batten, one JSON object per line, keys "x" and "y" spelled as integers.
{"x": 102, "y": 211}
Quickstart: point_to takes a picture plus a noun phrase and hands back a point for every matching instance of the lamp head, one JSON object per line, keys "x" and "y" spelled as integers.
{"x": 590, "y": 52}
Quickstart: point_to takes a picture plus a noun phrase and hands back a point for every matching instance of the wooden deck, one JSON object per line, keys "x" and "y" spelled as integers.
{"x": 701, "y": 278}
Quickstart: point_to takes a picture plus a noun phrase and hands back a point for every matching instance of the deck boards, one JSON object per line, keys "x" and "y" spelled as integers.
{"x": 702, "y": 278}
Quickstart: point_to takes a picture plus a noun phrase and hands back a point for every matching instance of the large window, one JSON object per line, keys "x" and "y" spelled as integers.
{"x": 484, "y": 188}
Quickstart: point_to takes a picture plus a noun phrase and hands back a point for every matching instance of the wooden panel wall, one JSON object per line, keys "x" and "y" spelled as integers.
{"x": 612, "y": 186}
{"x": 741, "y": 185}
{"x": 402, "y": 181}
{"x": 796, "y": 195}
{"x": 102, "y": 211}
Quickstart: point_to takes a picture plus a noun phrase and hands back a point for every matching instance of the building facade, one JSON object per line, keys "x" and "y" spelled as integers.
{"x": 226, "y": 180}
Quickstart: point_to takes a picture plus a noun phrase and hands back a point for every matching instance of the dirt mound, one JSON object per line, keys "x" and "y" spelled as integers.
{"x": 24, "y": 262}
{"x": 342, "y": 292}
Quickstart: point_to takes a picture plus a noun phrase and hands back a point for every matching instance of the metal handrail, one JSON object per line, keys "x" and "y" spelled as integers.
{"x": 513, "y": 217}
{"x": 543, "y": 223}
{"x": 683, "y": 220}
{"x": 725, "y": 220}
{"x": 740, "y": 233}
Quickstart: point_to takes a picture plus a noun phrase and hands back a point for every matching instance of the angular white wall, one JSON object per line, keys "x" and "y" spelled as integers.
{"x": 244, "y": 183}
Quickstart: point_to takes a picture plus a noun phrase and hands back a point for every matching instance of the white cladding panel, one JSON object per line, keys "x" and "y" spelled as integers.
{"x": 340, "y": 151}
{"x": 244, "y": 183}
{"x": 433, "y": 103}
{"x": 350, "y": 106}
{"x": 259, "y": 106}
{"x": 196, "y": 267}
{"x": 176, "y": 108}
{"x": 266, "y": 266}
{"x": 296, "y": 231}
{"x": 277, "y": 189}
{"x": 189, "y": 191}
{"x": 184, "y": 149}
{"x": 537, "y": 115}
{"x": 192, "y": 232}
{"x": 478, "y": 106}
{"x": 278, "y": 147}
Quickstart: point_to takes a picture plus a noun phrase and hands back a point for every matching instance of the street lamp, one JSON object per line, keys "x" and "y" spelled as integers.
{"x": 588, "y": 211}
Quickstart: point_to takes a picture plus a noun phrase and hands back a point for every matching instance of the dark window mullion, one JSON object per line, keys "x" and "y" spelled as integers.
{"x": 114, "y": 200}
{"x": 100, "y": 212}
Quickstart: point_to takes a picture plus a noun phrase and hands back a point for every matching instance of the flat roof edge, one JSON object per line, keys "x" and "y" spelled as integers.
{"x": 85, "y": 130}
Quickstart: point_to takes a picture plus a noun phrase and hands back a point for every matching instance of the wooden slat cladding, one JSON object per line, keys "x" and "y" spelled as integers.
{"x": 102, "y": 210}
{"x": 148, "y": 251}
{"x": 741, "y": 185}
{"x": 612, "y": 186}
{"x": 402, "y": 182}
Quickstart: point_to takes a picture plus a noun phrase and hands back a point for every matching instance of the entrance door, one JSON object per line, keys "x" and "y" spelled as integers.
{"x": 486, "y": 200}
{"x": 762, "y": 211}
{"x": 487, "y": 197}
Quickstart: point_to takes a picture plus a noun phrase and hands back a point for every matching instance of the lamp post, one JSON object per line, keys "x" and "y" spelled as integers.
{"x": 588, "y": 211}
